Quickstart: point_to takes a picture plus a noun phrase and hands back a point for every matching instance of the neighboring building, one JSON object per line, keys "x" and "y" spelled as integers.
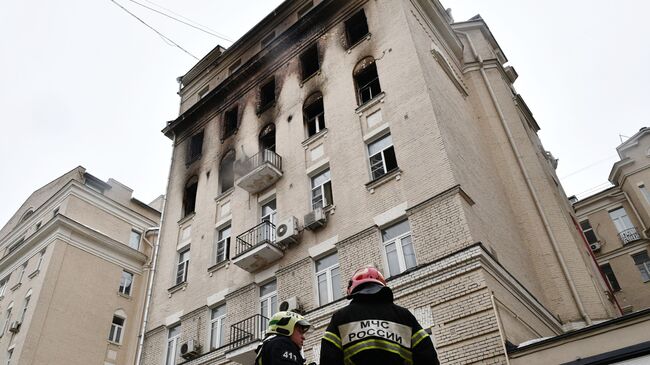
{"x": 341, "y": 133}
{"x": 615, "y": 223}
{"x": 73, "y": 273}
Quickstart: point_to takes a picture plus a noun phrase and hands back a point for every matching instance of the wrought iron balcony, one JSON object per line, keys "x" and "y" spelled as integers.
{"x": 629, "y": 235}
{"x": 256, "y": 248}
{"x": 260, "y": 171}
{"x": 245, "y": 336}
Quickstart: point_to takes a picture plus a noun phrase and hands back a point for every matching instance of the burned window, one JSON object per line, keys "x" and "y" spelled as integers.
{"x": 226, "y": 172}
{"x": 267, "y": 138}
{"x": 230, "y": 122}
{"x": 356, "y": 28}
{"x": 366, "y": 80}
{"x": 309, "y": 62}
{"x": 195, "y": 148}
{"x": 267, "y": 94}
{"x": 189, "y": 196}
{"x": 314, "y": 114}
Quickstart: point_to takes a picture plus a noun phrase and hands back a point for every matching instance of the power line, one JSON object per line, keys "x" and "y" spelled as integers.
{"x": 588, "y": 166}
{"x": 593, "y": 189}
{"x": 181, "y": 21}
{"x": 165, "y": 38}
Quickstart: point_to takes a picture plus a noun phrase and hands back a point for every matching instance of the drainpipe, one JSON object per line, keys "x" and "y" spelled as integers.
{"x": 533, "y": 193}
{"x": 152, "y": 273}
{"x": 636, "y": 212}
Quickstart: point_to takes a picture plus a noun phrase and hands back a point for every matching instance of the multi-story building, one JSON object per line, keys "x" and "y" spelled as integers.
{"x": 341, "y": 133}
{"x": 73, "y": 273}
{"x": 615, "y": 224}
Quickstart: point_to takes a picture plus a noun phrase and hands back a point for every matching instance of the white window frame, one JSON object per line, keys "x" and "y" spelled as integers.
{"x": 134, "y": 233}
{"x": 327, "y": 272}
{"x": 644, "y": 268}
{"x": 381, "y": 152}
{"x": 622, "y": 222}
{"x": 216, "y": 326}
{"x": 223, "y": 239}
{"x": 172, "y": 344}
{"x": 182, "y": 264}
{"x": 117, "y": 330}
{"x": 123, "y": 288}
{"x": 268, "y": 300}
{"x": 272, "y": 214}
{"x": 321, "y": 188}
{"x": 401, "y": 261}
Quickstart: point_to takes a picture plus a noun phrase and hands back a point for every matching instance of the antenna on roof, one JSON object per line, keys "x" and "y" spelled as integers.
{"x": 622, "y": 136}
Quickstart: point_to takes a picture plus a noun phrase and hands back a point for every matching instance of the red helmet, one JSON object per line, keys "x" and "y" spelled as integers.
{"x": 368, "y": 274}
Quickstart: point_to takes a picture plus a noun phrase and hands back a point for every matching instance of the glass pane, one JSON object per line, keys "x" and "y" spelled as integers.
{"x": 320, "y": 179}
{"x": 111, "y": 334}
{"x": 395, "y": 230}
{"x": 264, "y": 308}
{"x": 268, "y": 288}
{"x": 174, "y": 331}
{"x": 380, "y": 145}
{"x": 591, "y": 236}
{"x": 326, "y": 262}
{"x": 118, "y": 334}
{"x": 134, "y": 241}
{"x": 329, "y": 199}
{"x": 317, "y": 198}
{"x": 118, "y": 321}
{"x": 585, "y": 225}
{"x": 223, "y": 233}
{"x": 323, "y": 297}
{"x": 409, "y": 253}
{"x": 218, "y": 311}
{"x": 336, "y": 284}
{"x": 222, "y": 332}
{"x": 377, "y": 166}
{"x": 393, "y": 263}
{"x": 391, "y": 160}
{"x": 274, "y": 304}
{"x": 641, "y": 257}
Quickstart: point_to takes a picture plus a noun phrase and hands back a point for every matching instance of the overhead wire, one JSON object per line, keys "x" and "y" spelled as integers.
{"x": 588, "y": 166}
{"x": 164, "y": 37}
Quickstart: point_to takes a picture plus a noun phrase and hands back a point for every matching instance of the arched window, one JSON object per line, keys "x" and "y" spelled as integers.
{"x": 117, "y": 326}
{"x": 226, "y": 172}
{"x": 314, "y": 114}
{"x": 366, "y": 80}
{"x": 27, "y": 215}
{"x": 189, "y": 195}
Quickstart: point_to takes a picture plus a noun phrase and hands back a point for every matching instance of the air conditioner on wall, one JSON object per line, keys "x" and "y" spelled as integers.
{"x": 595, "y": 246}
{"x": 190, "y": 349}
{"x": 315, "y": 219}
{"x": 286, "y": 231}
{"x": 291, "y": 304}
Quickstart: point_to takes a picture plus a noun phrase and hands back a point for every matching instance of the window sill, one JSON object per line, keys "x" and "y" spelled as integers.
{"x": 266, "y": 107}
{"x": 117, "y": 344}
{"x": 15, "y": 287}
{"x": 224, "y": 195}
{"x": 218, "y": 266}
{"x": 370, "y": 103}
{"x": 176, "y": 288}
{"x": 314, "y": 138}
{"x": 34, "y": 274}
{"x": 186, "y": 219}
{"x": 394, "y": 173}
{"x": 125, "y": 296}
{"x": 312, "y": 76}
{"x": 365, "y": 38}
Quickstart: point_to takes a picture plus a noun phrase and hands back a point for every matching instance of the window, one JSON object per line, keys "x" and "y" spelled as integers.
{"x": 3, "y": 286}
{"x": 22, "y": 269}
{"x": 269, "y": 211}
{"x": 134, "y": 240}
{"x": 26, "y": 305}
{"x": 314, "y": 114}
{"x": 642, "y": 262}
{"x": 117, "y": 327}
{"x": 398, "y": 247}
{"x": 189, "y": 197}
{"x": 182, "y": 266}
{"x": 226, "y": 172}
{"x": 645, "y": 192}
{"x": 626, "y": 230}
{"x": 267, "y": 141}
{"x": 10, "y": 353}
{"x": 611, "y": 278}
{"x": 218, "y": 327}
{"x": 172, "y": 345}
{"x": 268, "y": 300}
{"x": 321, "y": 190}
{"x": 267, "y": 94}
{"x": 328, "y": 279}
{"x": 126, "y": 283}
{"x": 230, "y": 122}
{"x": 588, "y": 231}
{"x": 7, "y": 319}
{"x": 41, "y": 257}
{"x": 186, "y": 236}
{"x": 195, "y": 148}
{"x": 366, "y": 80}
{"x": 309, "y": 62}
{"x": 356, "y": 28}
{"x": 55, "y": 212}
{"x": 382, "y": 157}
{"x": 222, "y": 247}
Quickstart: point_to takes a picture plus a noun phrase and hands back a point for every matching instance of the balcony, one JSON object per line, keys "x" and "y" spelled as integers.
{"x": 245, "y": 336}
{"x": 629, "y": 235}
{"x": 260, "y": 171}
{"x": 255, "y": 249}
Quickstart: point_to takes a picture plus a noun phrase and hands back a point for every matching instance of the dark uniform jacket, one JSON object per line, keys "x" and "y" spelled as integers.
{"x": 279, "y": 350}
{"x": 372, "y": 331}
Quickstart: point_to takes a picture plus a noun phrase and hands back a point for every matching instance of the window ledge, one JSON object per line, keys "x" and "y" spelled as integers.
{"x": 34, "y": 274}
{"x": 314, "y": 138}
{"x": 394, "y": 173}
{"x": 124, "y": 295}
{"x": 15, "y": 287}
{"x": 186, "y": 219}
{"x": 266, "y": 107}
{"x": 218, "y": 266}
{"x": 224, "y": 195}
{"x": 114, "y": 343}
{"x": 312, "y": 76}
{"x": 370, "y": 103}
{"x": 176, "y": 288}
{"x": 365, "y": 38}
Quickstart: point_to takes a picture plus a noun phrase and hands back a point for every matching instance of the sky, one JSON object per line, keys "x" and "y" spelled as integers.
{"x": 85, "y": 83}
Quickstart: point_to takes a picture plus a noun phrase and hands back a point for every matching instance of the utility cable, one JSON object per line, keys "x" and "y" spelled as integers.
{"x": 165, "y": 38}
{"x": 588, "y": 166}
{"x": 181, "y": 21}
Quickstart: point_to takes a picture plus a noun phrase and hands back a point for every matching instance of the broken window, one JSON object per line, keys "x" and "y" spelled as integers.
{"x": 195, "y": 148}
{"x": 366, "y": 80}
{"x": 230, "y": 122}
{"x": 314, "y": 114}
{"x": 382, "y": 157}
{"x": 189, "y": 196}
{"x": 267, "y": 94}
{"x": 226, "y": 172}
{"x": 356, "y": 28}
{"x": 309, "y": 62}
{"x": 267, "y": 138}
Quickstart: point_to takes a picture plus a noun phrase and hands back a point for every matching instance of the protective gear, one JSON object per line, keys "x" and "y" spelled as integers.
{"x": 365, "y": 275}
{"x": 278, "y": 350}
{"x": 283, "y": 323}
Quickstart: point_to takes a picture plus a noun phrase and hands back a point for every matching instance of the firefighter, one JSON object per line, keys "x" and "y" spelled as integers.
{"x": 284, "y": 338}
{"x": 372, "y": 330}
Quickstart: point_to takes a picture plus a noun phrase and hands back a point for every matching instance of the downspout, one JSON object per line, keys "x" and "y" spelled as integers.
{"x": 636, "y": 212}
{"x": 154, "y": 263}
{"x": 538, "y": 206}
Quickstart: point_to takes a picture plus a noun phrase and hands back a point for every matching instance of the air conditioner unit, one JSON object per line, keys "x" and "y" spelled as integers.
{"x": 595, "y": 246}
{"x": 14, "y": 327}
{"x": 190, "y": 349}
{"x": 291, "y": 304}
{"x": 287, "y": 231}
{"x": 315, "y": 219}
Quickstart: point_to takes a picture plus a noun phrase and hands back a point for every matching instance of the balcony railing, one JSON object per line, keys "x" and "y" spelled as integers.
{"x": 263, "y": 233}
{"x": 255, "y": 249}
{"x": 248, "y": 331}
{"x": 260, "y": 171}
{"x": 629, "y": 235}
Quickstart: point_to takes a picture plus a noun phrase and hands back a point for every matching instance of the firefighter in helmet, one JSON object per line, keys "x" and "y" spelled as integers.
{"x": 284, "y": 338}
{"x": 373, "y": 330}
